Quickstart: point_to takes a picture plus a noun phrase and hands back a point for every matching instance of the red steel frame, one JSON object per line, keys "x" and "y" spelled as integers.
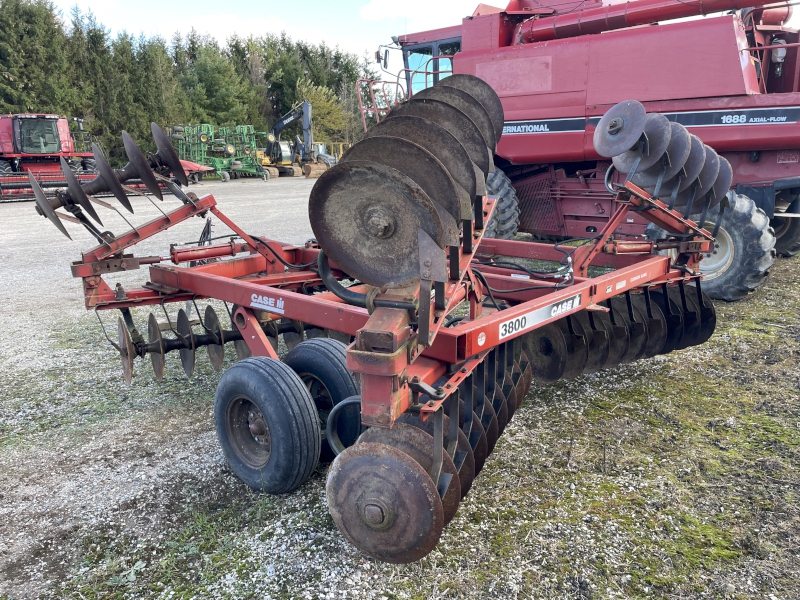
{"x": 255, "y": 281}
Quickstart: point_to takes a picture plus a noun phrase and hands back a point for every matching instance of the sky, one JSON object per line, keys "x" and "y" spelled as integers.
{"x": 357, "y": 26}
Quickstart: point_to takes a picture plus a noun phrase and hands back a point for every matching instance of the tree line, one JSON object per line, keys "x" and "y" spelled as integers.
{"x": 74, "y": 67}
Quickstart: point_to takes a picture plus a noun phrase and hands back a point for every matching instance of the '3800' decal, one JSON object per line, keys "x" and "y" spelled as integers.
{"x": 533, "y": 318}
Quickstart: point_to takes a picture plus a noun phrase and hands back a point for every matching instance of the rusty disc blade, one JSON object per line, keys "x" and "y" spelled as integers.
{"x": 620, "y": 128}
{"x": 452, "y": 119}
{"x": 469, "y": 106}
{"x": 489, "y": 423}
{"x": 466, "y": 470}
{"x": 437, "y": 140}
{"x": 597, "y": 342}
{"x": 721, "y": 185}
{"x": 43, "y": 204}
{"x": 680, "y": 146}
{"x": 617, "y": 334}
{"x": 416, "y": 163}
{"x": 419, "y": 445}
{"x": 658, "y": 132}
{"x": 500, "y": 404}
{"x": 527, "y": 375}
{"x": 708, "y": 315}
{"x": 577, "y": 346}
{"x": 512, "y": 389}
{"x": 366, "y": 217}
{"x": 691, "y": 317}
{"x": 384, "y": 503}
{"x": 127, "y": 352}
{"x": 483, "y": 93}
{"x": 655, "y": 323}
{"x": 478, "y": 442}
{"x": 140, "y": 165}
{"x": 167, "y": 156}
{"x": 546, "y": 350}
{"x": 76, "y": 191}
{"x": 106, "y": 180}
{"x": 637, "y": 331}
{"x": 694, "y": 164}
{"x": 705, "y": 181}
{"x": 673, "y": 317}
{"x": 184, "y": 329}
{"x": 156, "y": 341}
{"x": 216, "y": 352}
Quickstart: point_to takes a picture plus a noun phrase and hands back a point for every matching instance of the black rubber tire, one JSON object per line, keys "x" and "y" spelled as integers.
{"x": 787, "y": 232}
{"x": 505, "y": 218}
{"x": 89, "y": 165}
{"x": 325, "y": 360}
{"x": 177, "y": 129}
{"x": 746, "y": 229}
{"x": 177, "y": 136}
{"x": 276, "y": 390}
{"x": 5, "y": 168}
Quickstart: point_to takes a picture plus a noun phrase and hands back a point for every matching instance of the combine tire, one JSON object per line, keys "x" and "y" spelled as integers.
{"x": 5, "y": 168}
{"x": 267, "y": 425}
{"x": 89, "y": 165}
{"x": 505, "y": 219}
{"x": 743, "y": 253}
{"x": 321, "y": 364}
{"x": 787, "y": 231}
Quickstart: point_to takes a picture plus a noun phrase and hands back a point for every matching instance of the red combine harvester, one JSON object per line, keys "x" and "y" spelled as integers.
{"x": 36, "y": 143}
{"x": 732, "y": 80}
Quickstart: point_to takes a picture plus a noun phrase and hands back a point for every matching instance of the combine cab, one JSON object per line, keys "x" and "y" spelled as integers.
{"x": 36, "y": 143}
{"x": 733, "y": 80}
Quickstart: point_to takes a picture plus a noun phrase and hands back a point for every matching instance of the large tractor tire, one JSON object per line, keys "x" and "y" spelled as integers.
{"x": 787, "y": 231}
{"x": 5, "y": 168}
{"x": 505, "y": 219}
{"x": 744, "y": 249}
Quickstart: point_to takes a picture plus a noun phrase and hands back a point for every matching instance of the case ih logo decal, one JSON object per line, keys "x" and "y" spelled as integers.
{"x": 529, "y": 320}
{"x": 543, "y": 126}
{"x": 267, "y": 303}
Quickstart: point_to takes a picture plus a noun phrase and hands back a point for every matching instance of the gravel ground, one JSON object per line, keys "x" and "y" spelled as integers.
{"x": 676, "y": 477}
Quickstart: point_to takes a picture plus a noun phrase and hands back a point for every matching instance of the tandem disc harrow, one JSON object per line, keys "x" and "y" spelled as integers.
{"x": 411, "y": 341}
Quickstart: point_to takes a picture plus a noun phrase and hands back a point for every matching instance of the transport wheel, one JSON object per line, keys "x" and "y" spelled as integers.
{"x": 419, "y": 445}
{"x": 321, "y": 365}
{"x": 505, "y": 219}
{"x": 267, "y": 425}
{"x": 743, "y": 252}
{"x": 787, "y": 231}
{"x": 384, "y": 503}
{"x": 224, "y": 176}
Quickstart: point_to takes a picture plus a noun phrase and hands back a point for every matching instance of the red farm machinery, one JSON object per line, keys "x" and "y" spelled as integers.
{"x": 400, "y": 341}
{"x": 37, "y": 143}
{"x": 733, "y": 80}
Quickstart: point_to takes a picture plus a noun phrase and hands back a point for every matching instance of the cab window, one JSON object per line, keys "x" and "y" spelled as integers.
{"x": 418, "y": 61}
{"x": 424, "y": 72}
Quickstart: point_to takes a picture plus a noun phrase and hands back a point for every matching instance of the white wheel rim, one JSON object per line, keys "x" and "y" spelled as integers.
{"x": 720, "y": 258}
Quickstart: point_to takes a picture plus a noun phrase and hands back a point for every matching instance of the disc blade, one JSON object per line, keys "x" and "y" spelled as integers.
{"x": 43, "y": 204}
{"x": 673, "y": 317}
{"x": 452, "y": 119}
{"x": 527, "y": 375}
{"x": 76, "y": 191}
{"x": 366, "y": 217}
{"x": 384, "y": 503}
{"x": 419, "y": 445}
{"x": 546, "y": 350}
{"x": 617, "y": 334}
{"x": 127, "y": 352}
{"x": 708, "y": 316}
{"x": 469, "y": 106}
{"x": 187, "y": 352}
{"x": 721, "y": 185}
{"x": 577, "y": 346}
{"x": 167, "y": 155}
{"x": 694, "y": 164}
{"x": 416, "y": 163}
{"x": 156, "y": 343}
{"x": 677, "y": 152}
{"x": 620, "y": 128}
{"x": 438, "y": 141}
{"x": 109, "y": 179}
{"x": 141, "y": 166}
{"x": 479, "y": 443}
{"x": 691, "y": 316}
{"x": 637, "y": 331}
{"x": 481, "y": 91}
{"x": 216, "y": 352}
{"x": 658, "y": 131}
{"x": 597, "y": 341}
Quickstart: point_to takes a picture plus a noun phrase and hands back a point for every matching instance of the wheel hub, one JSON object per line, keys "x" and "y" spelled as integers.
{"x": 716, "y": 262}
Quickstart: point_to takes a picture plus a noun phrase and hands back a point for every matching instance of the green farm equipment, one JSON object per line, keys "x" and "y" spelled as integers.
{"x": 229, "y": 151}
